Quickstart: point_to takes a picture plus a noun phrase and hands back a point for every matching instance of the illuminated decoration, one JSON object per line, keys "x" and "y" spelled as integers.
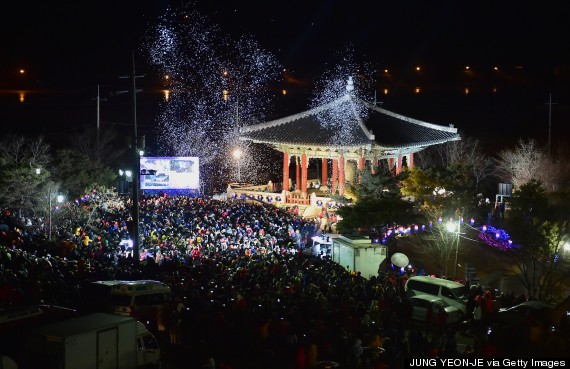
{"x": 497, "y": 238}
{"x": 319, "y": 203}
{"x": 472, "y": 221}
{"x": 484, "y": 228}
{"x": 269, "y": 198}
{"x": 260, "y": 197}
{"x": 242, "y": 196}
{"x": 416, "y": 228}
{"x": 430, "y": 224}
{"x": 233, "y": 195}
{"x": 439, "y": 220}
{"x": 277, "y": 198}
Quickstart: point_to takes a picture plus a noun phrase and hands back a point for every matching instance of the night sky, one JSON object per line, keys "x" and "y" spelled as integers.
{"x": 67, "y": 50}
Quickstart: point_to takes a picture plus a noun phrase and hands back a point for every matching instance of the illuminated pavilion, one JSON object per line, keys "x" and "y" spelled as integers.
{"x": 369, "y": 138}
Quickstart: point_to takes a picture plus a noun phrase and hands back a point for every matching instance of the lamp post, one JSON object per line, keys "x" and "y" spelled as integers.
{"x": 237, "y": 154}
{"x": 455, "y": 228}
{"x": 59, "y": 201}
{"x": 125, "y": 183}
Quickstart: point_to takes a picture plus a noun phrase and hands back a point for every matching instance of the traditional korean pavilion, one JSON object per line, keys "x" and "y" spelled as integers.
{"x": 367, "y": 137}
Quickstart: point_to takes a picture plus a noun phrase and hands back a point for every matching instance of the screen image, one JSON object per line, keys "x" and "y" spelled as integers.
{"x": 171, "y": 173}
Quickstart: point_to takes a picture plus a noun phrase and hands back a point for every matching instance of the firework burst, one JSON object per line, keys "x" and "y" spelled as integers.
{"x": 217, "y": 85}
{"x": 331, "y": 87}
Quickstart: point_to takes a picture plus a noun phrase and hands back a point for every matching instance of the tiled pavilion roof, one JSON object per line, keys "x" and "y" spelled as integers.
{"x": 372, "y": 127}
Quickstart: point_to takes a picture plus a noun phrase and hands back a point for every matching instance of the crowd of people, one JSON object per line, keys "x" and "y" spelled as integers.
{"x": 246, "y": 296}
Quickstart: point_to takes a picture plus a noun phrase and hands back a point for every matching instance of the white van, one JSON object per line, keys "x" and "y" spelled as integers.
{"x": 148, "y": 350}
{"x": 452, "y": 293}
{"x": 144, "y": 300}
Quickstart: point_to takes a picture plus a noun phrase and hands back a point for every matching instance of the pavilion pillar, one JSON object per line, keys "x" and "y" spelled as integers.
{"x": 298, "y": 173}
{"x": 341, "y": 175}
{"x": 410, "y": 160}
{"x": 304, "y": 166}
{"x": 399, "y": 165}
{"x": 374, "y": 165}
{"x": 360, "y": 168}
{"x": 324, "y": 172}
{"x": 390, "y": 164}
{"x": 285, "y": 171}
{"x": 334, "y": 181}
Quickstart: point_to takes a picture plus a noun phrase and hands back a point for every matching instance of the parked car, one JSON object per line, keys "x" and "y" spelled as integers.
{"x": 452, "y": 293}
{"x": 515, "y": 315}
{"x": 421, "y": 304}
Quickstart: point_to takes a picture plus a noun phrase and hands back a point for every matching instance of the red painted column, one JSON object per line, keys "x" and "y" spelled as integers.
{"x": 411, "y": 160}
{"x": 334, "y": 181}
{"x": 399, "y": 165}
{"x": 360, "y": 167}
{"x": 374, "y": 165}
{"x": 341, "y": 175}
{"x": 304, "y": 167}
{"x": 285, "y": 171}
{"x": 298, "y": 173}
{"x": 390, "y": 164}
{"x": 324, "y": 172}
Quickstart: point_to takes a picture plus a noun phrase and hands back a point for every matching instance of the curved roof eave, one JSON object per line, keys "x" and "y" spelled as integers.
{"x": 280, "y": 121}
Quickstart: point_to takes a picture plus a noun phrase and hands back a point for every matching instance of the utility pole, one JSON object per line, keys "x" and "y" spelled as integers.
{"x": 136, "y": 167}
{"x": 549, "y": 120}
{"x": 98, "y": 113}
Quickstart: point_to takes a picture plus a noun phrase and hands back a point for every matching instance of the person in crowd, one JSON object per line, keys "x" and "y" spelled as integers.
{"x": 232, "y": 264}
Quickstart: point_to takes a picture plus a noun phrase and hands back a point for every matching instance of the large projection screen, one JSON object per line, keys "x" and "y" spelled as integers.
{"x": 179, "y": 172}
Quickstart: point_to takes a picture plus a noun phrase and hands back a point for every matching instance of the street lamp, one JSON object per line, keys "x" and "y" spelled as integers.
{"x": 237, "y": 154}
{"x": 59, "y": 199}
{"x": 126, "y": 178}
{"x": 455, "y": 228}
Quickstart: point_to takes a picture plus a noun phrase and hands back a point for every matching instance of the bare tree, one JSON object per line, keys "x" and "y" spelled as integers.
{"x": 101, "y": 147}
{"x": 467, "y": 152}
{"x": 439, "y": 243}
{"x": 16, "y": 150}
{"x": 530, "y": 162}
{"x": 20, "y": 185}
